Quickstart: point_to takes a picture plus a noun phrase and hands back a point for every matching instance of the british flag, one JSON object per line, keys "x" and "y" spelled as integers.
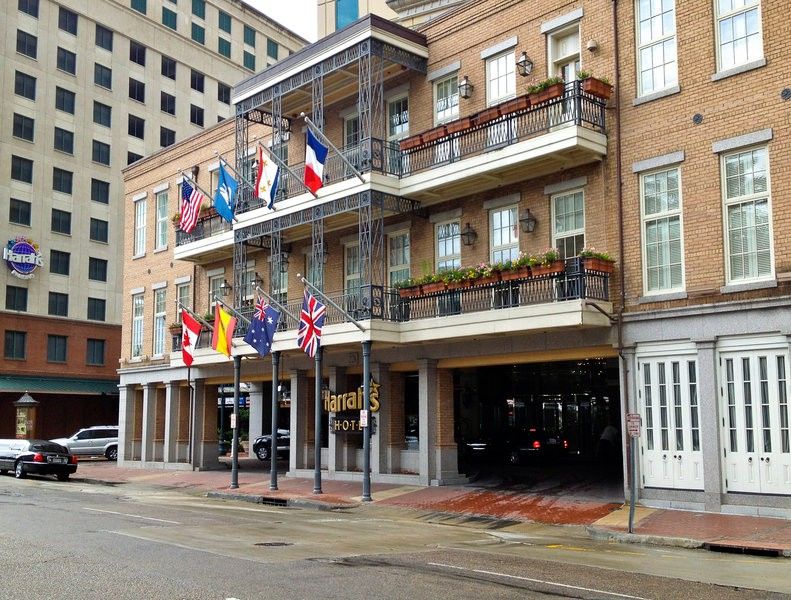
{"x": 311, "y": 320}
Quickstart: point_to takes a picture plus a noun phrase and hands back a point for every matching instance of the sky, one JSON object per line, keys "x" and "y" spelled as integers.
{"x": 300, "y": 16}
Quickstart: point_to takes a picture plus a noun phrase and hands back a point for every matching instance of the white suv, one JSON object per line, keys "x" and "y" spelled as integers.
{"x": 93, "y": 441}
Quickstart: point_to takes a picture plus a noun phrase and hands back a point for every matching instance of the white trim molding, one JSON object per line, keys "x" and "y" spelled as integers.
{"x": 562, "y": 186}
{"x": 443, "y": 71}
{"x": 161, "y": 187}
{"x": 501, "y": 47}
{"x": 508, "y": 200}
{"x": 657, "y": 162}
{"x": 561, "y": 21}
{"x": 741, "y": 141}
{"x": 446, "y": 215}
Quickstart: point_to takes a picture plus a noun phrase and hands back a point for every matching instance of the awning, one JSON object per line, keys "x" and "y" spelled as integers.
{"x": 58, "y": 385}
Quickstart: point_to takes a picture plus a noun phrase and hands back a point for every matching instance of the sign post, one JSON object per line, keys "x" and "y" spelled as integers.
{"x": 633, "y": 428}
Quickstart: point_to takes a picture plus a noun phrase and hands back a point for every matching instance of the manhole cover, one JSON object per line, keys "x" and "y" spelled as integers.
{"x": 273, "y": 544}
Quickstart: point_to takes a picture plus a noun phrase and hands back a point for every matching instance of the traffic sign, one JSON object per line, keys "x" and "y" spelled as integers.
{"x": 633, "y": 424}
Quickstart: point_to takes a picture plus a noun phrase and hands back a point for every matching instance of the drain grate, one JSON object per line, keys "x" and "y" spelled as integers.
{"x": 736, "y": 549}
{"x": 273, "y": 544}
{"x": 272, "y": 501}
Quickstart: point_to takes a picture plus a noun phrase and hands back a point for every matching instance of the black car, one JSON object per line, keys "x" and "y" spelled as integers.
{"x": 262, "y": 445}
{"x": 535, "y": 443}
{"x": 39, "y": 457}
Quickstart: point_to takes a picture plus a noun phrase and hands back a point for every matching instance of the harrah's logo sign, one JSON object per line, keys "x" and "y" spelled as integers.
{"x": 22, "y": 257}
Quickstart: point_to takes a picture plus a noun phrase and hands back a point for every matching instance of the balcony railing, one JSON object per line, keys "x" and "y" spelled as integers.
{"x": 205, "y": 228}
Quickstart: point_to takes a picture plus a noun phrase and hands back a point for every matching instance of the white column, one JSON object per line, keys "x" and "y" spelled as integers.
{"x": 296, "y": 456}
{"x": 257, "y": 413}
{"x": 710, "y": 441}
{"x": 171, "y": 421}
{"x": 337, "y": 379}
{"x": 379, "y": 446}
{"x": 427, "y": 386}
{"x": 149, "y": 422}
{"x": 126, "y": 422}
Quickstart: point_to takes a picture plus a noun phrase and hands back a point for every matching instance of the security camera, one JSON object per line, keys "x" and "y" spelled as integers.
{"x": 592, "y": 45}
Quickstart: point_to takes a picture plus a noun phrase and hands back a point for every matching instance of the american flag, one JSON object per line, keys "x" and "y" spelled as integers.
{"x": 311, "y": 320}
{"x": 191, "y": 200}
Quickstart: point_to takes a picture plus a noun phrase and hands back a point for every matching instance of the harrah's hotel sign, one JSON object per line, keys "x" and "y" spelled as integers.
{"x": 347, "y": 409}
{"x": 22, "y": 257}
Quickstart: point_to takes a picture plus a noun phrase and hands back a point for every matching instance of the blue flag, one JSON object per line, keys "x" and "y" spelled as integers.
{"x": 223, "y": 197}
{"x": 262, "y": 328}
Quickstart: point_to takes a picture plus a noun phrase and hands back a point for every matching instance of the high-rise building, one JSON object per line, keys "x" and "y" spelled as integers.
{"x": 89, "y": 88}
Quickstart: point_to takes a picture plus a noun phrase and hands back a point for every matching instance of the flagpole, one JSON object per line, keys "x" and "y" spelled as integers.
{"x": 280, "y": 163}
{"x": 318, "y": 292}
{"x": 233, "y": 310}
{"x": 235, "y": 172}
{"x": 331, "y": 145}
{"x": 276, "y": 304}
{"x": 195, "y": 315}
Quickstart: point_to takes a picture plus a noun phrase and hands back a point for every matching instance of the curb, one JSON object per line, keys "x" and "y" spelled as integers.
{"x": 600, "y": 534}
{"x": 279, "y": 501}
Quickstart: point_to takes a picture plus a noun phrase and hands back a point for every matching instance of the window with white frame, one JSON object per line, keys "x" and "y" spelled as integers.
{"x": 137, "y": 325}
{"x": 568, "y": 223}
{"x": 214, "y": 289}
{"x": 398, "y": 257}
{"x": 160, "y": 313}
{"x": 448, "y": 249}
{"x": 351, "y": 131}
{"x": 280, "y": 286}
{"x": 162, "y": 219}
{"x": 739, "y": 37}
{"x": 504, "y": 234}
{"x": 564, "y": 52}
{"x": 397, "y": 117}
{"x": 314, "y": 270}
{"x": 500, "y": 78}
{"x": 745, "y": 185}
{"x": 214, "y": 178}
{"x": 352, "y": 278}
{"x": 184, "y": 295}
{"x": 446, "y": 99}
{"x": 140, "y": 227}
{"x": 663, "y": 252}
{"x": 248, "y": 281}
{"x": 656, "y": 45}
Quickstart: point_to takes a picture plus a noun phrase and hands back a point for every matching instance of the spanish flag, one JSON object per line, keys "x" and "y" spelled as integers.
{"x": 224, "y": 325}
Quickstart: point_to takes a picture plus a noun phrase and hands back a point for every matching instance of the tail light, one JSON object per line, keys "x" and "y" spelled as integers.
{"x": 38, "y": 457}
{"x": 536, "y": 445}
{"x": 73, "y": 460}
{"x": 565, "y": 444}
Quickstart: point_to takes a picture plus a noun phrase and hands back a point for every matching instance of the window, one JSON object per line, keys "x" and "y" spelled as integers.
{"x": 102, "y": 114}
{"x": 196, "y": 80}
{"x": 136, "y": 127}
{"x": 249, "y": 61}
{"x": 104, "y": 38}
{"x": 60, "y": 221}
{"x": 223, "y": 93}
{"x": 15, "y": 298}
{"x": 23, "y": 127}
{"x": 100, "y": 191}
{"x": 137, "y": 325}
{"x": 167, "y": 103}
{"x": 196, "y": 115}
{"x": 249, "y": 36}
{"x": 199, "y": 8}
{"x": 100, "y": 153}
{"x": 56, "y": 348}
{"x": 137, "y": 90}
{"x": 345, "y": 13}
{"x": 662, "y": 236}
{"x": 656, "y": 45}
{"x": 137, "y": 53}
{"x": 738, "y": 32}
{"x": 504, "y": 234}
{"x": 271, "y": 49}
{"x": 28, "y": 6}
{"x": 167, "y": 137}
{"x": 25, "y": 85}
{"x": 19, "y": 212}
{"x": 198, "y": 33}
{"x": 26, "y": 43}
{"x": 448, "y": 249}
{"x": 168, "y": 67}
{"x": 139, "y": 6}
{"x": 224, "y": 47}
{"x": 62, "y": 180}
{"x": 67, "y": 61}
{"x": 98, "y": 230}
{"x": 132, "y": 157}
{"x": 746, "y": 195}
{"x": 564, "y": 49}
{"x": 183, "y": 295}
{"x": 103, "y": 76}
{"x": 214, "y": 288}
{"x": 446, "y": 99}
{"x": 500, "y": 78}
{"x": 67, "y": 20}
{"x": 568, "y": 223}
{"x": 224, "y": 21}
{"x": 15, "y": 343}
{"x": 351, "y": 276}
{"x": 398, "y": 257}
{"x": 59, "y": 262}
{"x": 97, "y": 269}
{"x": 140, "y": 228}
{"x": 64, "y": 100}
{"x": 169, "y": 18}
{"x": 94, "y": 354}
{"x": 58, "y": 304}
{"x": 96, "y": 309}
{"x": 162, "y": 220}
{"x": 398, "y": 118}
{"x": 21, "y": 169}
{"x": 64, "y": 140}
{"x": 159, "y": 321}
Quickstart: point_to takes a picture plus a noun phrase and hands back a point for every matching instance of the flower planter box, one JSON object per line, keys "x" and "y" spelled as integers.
{"x": 596, "y": 87}
{"x": 433, "y": 288}
{"x": 175, "y": 330}
{"x": 598, "y": 264}
{"x": 517, "y": 104}
{"x": 488, "y": 114}
{"x": 459, "y": 125}
{"x": 410, "y": 292}
{"x": 410, "y": 142}
{"x": 552, "y": 269}
{"x": 553, "y": 91}
{"x": 455, "y": 285}
{"x": 434, "y": 134}
{"x": 518, "y": 273}
{"x": 495, "y": 277}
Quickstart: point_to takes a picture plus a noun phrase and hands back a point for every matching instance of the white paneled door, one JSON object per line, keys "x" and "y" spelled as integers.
{"x": 754, "y": 393}
{"x": 670, "y": 440}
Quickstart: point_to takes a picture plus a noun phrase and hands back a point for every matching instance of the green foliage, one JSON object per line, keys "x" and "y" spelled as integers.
{"x": 542, "y": 85}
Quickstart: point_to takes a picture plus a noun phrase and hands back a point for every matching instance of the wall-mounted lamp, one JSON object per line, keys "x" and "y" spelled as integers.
{"x": 194, "y": 170}
{"x": 592, "y": 45}
{"x": 468, "y": 235}
{"x": 258, "y": 281}
{"x": 284, "y": 262}
{"x": 527, "y": 221}
{"x": 524, "y": 65}
{"x": 465, "y": 88}
{"x": 226, "y": 288}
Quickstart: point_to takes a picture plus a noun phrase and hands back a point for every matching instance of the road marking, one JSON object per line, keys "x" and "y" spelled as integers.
{"x": 563, "y": 585}
{"x": 112, "y": 512}
{"x": 182, "y": 546}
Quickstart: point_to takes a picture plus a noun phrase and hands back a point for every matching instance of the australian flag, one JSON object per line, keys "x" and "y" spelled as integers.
{"x": 262, "y": 328}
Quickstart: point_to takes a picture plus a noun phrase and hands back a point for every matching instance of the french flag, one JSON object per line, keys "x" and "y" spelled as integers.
{"x": 315, "y": 157}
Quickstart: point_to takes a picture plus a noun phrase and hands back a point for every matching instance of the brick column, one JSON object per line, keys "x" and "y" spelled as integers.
{"x": 445, "y": 451}
{"x": 172, "y": 405}
{"x": 126, "y": 423}
{"x": 335, "y": 462}
{"x": 395, "y": 435}
{"x": 183, "y": 435}
{"x": 149, "y": 422}
{"x": 204, "y": 447}
{"x": 711, "y": 442}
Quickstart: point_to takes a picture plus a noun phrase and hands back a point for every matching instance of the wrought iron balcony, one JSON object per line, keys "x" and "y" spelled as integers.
{"x": 207, "y": 226}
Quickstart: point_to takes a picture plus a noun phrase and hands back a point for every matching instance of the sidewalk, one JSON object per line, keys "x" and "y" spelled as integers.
{"x": 603, "y": 520}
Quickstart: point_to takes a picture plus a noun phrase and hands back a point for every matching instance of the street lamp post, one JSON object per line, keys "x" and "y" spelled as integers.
{"x": 237, "y": 367}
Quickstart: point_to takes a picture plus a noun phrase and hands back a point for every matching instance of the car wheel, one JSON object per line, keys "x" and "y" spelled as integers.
{"x": 514, "y": 458}
{"x": 112, "y": 453}
{"x": 63, "y": 476}
{"x": 19, "y": 470}
{"x": 262, "y": 453}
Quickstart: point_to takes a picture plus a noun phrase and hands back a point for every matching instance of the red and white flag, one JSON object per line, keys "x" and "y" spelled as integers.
{"x": 190, "y": 330}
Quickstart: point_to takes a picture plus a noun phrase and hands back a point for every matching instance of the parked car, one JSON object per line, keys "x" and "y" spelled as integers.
{"x": 99, "y": 440}
{"x": 534, "y": 443}
{"x": 262, "y": 445}
{"x": 40, "y": 457}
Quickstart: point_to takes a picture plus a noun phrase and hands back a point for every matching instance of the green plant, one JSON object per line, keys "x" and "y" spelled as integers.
{"x": 587, "y": 74}
{"x": 547, "y": 256}
{"x": 542, "y": 85}
{"x": 591, "y": 252}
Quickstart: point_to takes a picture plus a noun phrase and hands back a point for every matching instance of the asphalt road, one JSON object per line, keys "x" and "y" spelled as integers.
{"x": 72, "y": 540}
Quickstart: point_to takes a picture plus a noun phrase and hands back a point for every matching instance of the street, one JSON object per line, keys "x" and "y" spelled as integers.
{"x": 82, "y": 540}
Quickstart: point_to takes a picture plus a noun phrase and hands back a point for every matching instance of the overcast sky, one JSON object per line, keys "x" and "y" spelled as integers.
{"x": 298, "y": 15}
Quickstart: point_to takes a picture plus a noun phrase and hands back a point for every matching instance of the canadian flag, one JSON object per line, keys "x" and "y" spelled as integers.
{"x": 190, "y": 330}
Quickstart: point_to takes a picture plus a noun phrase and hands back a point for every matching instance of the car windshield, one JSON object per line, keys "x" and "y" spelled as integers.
{"x": 46, "y": 447}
